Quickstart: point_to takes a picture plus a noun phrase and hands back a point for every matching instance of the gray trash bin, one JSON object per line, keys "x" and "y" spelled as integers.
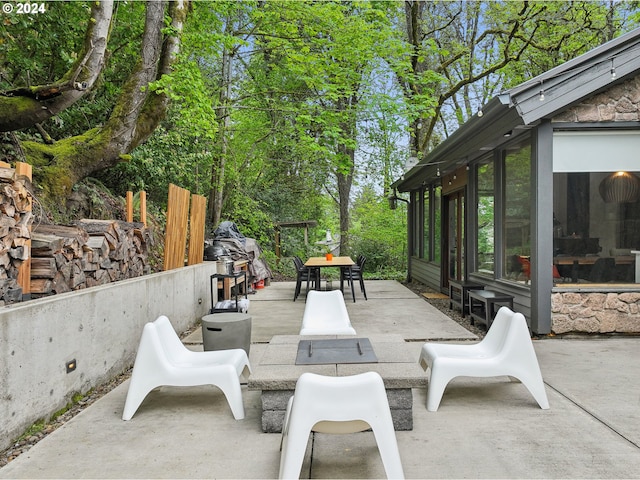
{"x": 224, "y": 331}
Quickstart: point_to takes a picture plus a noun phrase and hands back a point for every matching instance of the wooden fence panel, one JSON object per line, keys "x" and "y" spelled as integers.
{"x": 176, "y": 231}
{"x": 196, "y": 229}
{"x": 24, "y": 271}
{"x": 142, "y": 196}
{"x": 143, "y": 207}
{"x": 129, "y": 206}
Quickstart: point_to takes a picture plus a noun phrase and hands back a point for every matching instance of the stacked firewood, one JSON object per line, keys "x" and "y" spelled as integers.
{"x": 63, "y": 258}
{"x": 15, "y": 218}
{"x": 90, "y": 253}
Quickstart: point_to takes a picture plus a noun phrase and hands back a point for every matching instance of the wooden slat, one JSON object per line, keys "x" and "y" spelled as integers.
{"x": 24, "y": 270}
{"x": 176, "y": 229}
{"x": 196, "y": 229}
{"x": 129, "y": 206}
{"x": 143, "y": 207}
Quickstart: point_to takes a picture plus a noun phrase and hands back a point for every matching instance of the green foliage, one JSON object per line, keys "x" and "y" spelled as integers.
{"x": 282, "y": 108}
{"x": 171, "y": 155}
{"x": 252, "y": 221}
{"x": 26, "y": 44}
{"x": 40, "y": 49}
{"x": 191, "y": 99}
{"x": 379, "y": 234}
{"x": 561, "y": 31}
{"x": 41, "y": 424}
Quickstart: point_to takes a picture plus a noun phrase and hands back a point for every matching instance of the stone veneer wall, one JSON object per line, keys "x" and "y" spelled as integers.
{"x": 592, "y": 312}
{"x": 621, "y": 103}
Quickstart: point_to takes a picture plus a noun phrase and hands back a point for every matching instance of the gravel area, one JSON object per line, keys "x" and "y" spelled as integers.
{"x": 23, "y": 444}
{"x": 442, "y": 304}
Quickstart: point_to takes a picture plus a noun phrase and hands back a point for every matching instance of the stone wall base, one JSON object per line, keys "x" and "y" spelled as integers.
{"x": 274, "y": 405}
{"x": 589, "y": 312}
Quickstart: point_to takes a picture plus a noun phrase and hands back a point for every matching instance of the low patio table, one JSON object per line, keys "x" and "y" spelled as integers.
{"x": 322, "y": 262}
{"x": 458, "y": 294}
{"x": 277, "y": 373}
{"x": 487, "y": 299}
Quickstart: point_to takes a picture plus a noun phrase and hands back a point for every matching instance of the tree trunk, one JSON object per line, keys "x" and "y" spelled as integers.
{"x": 223, "y": 118}
{"x": 345, "y": 180}
{"x": 27, "y": 106}
{"x": 136, "y": 114}
{"x": 414, "y": 11}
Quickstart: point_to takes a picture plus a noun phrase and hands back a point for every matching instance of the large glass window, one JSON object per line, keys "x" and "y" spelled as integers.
{"x": 437, "y": 224}
{"x": 485, "y": 227}
{"x": 416, "y": 214}
{"x": 517, "y": 213}
{"x": 596, "y": 226}
{"x": 596, "y": 206}
{"x": 427, "y": 217}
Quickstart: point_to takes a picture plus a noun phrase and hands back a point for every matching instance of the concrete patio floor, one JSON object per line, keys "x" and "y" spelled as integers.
{"x": 484, "y": 428}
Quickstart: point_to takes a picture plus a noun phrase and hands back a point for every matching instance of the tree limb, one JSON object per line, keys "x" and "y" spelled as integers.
{"x": 24, "y": 107}
{"x": 134, "y": 117}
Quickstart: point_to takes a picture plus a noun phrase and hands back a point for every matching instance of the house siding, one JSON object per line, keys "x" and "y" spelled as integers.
{"x": 425, "y": 272}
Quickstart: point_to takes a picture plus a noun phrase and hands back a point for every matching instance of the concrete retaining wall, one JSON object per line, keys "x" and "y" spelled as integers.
{"x": 99, "y": 328}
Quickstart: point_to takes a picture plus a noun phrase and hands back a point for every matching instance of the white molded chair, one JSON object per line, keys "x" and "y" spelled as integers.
{"x": 325, "y": 313}
{"x": 505, "y": 350}
{"x": 162, "y": 359}
{"x": 338, "y": 405}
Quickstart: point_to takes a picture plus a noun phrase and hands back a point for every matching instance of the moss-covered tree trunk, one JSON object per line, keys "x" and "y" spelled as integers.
{"x": 138, "y": 110}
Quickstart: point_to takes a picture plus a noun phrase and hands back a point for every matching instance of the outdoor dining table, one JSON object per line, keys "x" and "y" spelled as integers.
{"x": 340, "y": 262}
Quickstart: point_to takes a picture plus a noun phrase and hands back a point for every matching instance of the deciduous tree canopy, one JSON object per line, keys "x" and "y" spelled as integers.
{"x": 275, "y": 110}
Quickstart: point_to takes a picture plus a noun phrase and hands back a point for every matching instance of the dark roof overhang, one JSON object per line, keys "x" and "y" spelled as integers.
{"x": 482, "y": 133}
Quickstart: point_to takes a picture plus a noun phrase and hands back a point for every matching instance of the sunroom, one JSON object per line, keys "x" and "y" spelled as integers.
{"x": 538, "y": 197}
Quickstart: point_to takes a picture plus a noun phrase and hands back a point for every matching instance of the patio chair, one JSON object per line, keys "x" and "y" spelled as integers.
{"x": 162, "y": 359}
{"x": 355, "y": 274}
{"x": 338, "y": 405}
{"x": 325, "y": 313}
{"x": 305, "y": 274}
{"x": 505, "y": 350}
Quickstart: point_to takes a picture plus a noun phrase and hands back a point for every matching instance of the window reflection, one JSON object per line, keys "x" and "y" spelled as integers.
{"x": 517, "y": 214}
{"x": 426, "y": 240}
{"x": 486, "y": 205}
{"x": 595, "y": 231}
{"x": 437, "y": 224}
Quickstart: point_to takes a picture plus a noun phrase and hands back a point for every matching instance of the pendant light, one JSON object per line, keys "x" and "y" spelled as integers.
{"x": 620, "y": 187}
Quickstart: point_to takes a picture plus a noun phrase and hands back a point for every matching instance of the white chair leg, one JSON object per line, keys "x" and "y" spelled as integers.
{"x": 435, "y": 390}
{"x": 230, "y": 386}
{"x": 135, "y": 396}
{"x": 293, "y": 450}
{"x": 388, "y": 447}
{"x": 535, "y": 385}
